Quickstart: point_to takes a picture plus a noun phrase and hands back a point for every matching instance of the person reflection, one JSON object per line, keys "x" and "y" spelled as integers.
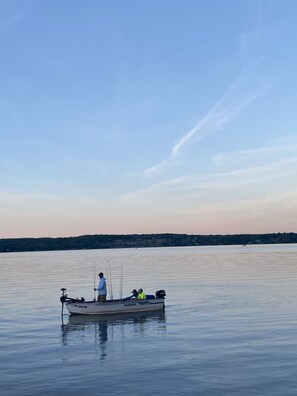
{"x": 104, "y": 330}
{"x": 79, "y": 328}
{"x": 103, "y": 337}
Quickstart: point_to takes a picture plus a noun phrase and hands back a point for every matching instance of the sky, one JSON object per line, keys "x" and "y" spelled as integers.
{"x": 135, "y": 117}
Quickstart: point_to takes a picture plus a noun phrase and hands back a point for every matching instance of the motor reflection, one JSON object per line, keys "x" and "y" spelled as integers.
{"x": 103, "y": 330}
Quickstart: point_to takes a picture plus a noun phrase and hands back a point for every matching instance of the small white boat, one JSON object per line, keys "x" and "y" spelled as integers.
{"x": 127, "y": 305}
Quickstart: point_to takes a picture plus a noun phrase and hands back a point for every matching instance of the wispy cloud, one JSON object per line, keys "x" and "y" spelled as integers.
{"x": 243, "y": 91}
{"x": 7, "y": 21}
{"x": 213, "y": 184}
{"x": 223, "y": 112}
{"x": 258, "y": 154}
{"x": 11, "y": 197}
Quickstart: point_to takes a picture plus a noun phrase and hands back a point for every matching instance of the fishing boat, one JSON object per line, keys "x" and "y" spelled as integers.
{"x": 80, "y": 306}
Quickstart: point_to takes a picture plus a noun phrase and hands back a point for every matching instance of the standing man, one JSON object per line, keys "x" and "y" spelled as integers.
{"x": 102, "y": 289}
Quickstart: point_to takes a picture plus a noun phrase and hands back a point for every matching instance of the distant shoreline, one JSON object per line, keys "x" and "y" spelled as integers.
{"x": 106, "y": 241}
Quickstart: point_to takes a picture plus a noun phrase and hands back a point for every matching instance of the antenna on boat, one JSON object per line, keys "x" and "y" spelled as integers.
{"x": 121, "y": 284}
{"x": 94, "y": 275}
{"x": 111, "y": 293}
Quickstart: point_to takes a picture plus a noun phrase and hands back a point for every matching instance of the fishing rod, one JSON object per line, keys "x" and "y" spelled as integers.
{"x": 121, "y": 284}
{"x": 94, "y": 275}
{"x": 111, "y": 293}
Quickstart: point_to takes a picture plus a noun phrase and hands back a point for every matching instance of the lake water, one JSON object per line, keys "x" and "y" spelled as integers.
{"x": 229, "y": 327}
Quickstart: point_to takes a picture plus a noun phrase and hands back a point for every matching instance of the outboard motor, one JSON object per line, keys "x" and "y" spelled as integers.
{"x": 160, "y": 293}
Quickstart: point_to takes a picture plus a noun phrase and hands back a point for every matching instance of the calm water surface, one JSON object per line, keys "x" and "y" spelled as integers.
{"x": 229, "y": 327}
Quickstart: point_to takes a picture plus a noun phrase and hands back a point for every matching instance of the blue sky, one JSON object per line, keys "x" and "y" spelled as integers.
{"x": 148, "y": 117}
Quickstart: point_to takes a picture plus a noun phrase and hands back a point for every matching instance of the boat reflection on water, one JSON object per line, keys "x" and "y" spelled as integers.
{"x": 104, "y": 329}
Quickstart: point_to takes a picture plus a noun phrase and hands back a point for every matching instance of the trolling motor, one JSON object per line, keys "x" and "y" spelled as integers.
{"x": 64, "y": 298}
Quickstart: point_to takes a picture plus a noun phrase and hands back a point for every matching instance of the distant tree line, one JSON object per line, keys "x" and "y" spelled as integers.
{"x": 139, "y": 241}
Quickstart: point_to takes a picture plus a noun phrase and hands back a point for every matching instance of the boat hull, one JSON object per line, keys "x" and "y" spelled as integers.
{"x": 114, "y": 306}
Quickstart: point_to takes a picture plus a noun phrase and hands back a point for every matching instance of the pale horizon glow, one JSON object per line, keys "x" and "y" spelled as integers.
{"x": 147, "y": 117}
